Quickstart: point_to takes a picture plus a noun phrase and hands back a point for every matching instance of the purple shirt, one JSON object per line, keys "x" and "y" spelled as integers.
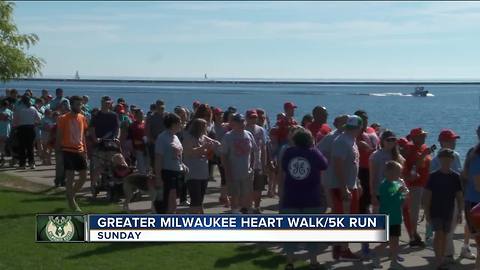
{"x": 303, "y": 187}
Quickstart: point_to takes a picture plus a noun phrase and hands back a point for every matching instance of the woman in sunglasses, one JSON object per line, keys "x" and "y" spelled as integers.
{"x": 388, "y": 151}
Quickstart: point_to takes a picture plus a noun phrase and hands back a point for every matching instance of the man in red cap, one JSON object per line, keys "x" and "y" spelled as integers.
{"x": 260, "y": 155}
{"x": 416, "y": 172}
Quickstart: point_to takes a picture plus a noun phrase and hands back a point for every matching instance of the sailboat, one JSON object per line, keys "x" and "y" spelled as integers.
{"x": 77, "y": 77}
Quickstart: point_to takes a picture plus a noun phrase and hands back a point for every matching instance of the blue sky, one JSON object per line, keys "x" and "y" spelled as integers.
{"x": 297, "y": 40}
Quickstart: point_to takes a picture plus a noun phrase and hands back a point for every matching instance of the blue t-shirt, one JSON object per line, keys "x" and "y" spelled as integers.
{"x": 302, "y": 167}
{"x": 456, "y": 164}
{"x": 471, "y": 194}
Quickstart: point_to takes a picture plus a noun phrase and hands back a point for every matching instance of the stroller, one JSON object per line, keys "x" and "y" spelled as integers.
{"x": 108, "y": 182}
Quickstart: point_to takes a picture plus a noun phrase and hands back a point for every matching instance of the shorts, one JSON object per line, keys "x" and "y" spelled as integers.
{"x": 441, "y": 224}
{"x": 74, "y": 161}
{"x": 395, "y": 230}
{"x": 259, "y": 181}
{"x": 171, "y": 179}
{"x": 241, "y": 187}
{"x": 468, "y": 207}
{"x": 197, "y": 189}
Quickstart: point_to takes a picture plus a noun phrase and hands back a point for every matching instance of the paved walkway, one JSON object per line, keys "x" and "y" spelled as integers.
{"x": 414, "y": 259}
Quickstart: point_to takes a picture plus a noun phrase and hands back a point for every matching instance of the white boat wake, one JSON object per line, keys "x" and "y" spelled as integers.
{"x": 395, "y": 94}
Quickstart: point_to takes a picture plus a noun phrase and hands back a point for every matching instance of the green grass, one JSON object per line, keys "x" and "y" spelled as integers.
{"x": 18, "y": 249}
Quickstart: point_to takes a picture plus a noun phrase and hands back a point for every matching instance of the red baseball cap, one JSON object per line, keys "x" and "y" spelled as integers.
{"x": 417, "y": 132}
{"x": 289, "y": 105}
{"x": 447, "y": 135}
{"x": 252, "y": 113}
{"x": 217, "y": 111}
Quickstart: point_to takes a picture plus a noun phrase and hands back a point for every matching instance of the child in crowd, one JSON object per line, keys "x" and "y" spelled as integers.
{"x": 392, "y": 192}
{"x": 46, "y": 126}
{"x": 443, "y": 188}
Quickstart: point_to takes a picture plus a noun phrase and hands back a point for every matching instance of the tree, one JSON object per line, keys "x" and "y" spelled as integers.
{"x": 15, "y": 62}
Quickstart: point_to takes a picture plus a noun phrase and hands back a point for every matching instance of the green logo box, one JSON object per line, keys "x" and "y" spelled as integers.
{"x": 60, "y": 228}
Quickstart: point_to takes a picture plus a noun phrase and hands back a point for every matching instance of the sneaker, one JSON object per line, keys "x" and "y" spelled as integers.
{"x": 32, "y": 166}
{"x": 348, "y": 255}
{"x": 185, "y": 203}
{"x": 400, "y": 259}
{"x": 22, "y": 167}
{"x": 396, "y": 266}
{"x": 467, "y": 254}
{"x": 376, "y": 263}
{"x": 417, "y": 243}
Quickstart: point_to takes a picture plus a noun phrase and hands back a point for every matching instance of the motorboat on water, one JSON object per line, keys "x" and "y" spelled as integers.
{"x": 420, "y": 92}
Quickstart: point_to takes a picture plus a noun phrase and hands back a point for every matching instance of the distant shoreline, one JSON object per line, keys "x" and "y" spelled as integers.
{"x": 253, "y": 81}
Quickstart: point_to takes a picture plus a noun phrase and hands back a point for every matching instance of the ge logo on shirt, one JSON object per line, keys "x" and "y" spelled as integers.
{"x": 299, "y": 168}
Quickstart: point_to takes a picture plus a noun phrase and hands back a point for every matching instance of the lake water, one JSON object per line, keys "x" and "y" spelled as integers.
{"x": 451, "y": 106}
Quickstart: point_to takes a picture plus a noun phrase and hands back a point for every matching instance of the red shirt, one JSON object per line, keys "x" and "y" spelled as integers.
{"x": 136, "y": 133}
{"x": 318, "y": 130}
{"x": 283, "y": 127}
{"x": 413, "y": 152}
{"x": 372, "y": 140}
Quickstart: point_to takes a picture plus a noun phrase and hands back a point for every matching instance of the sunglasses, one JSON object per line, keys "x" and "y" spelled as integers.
{"x": 391, "y": 139}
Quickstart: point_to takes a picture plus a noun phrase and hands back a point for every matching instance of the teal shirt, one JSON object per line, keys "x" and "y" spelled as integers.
{"x": 391, "y": 200}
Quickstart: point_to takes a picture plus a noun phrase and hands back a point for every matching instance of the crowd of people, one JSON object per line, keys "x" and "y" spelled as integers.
{"x": 353, "y": 168}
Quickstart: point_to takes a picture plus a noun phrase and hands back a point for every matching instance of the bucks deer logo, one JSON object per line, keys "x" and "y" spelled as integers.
{"x": 60, "y": 228}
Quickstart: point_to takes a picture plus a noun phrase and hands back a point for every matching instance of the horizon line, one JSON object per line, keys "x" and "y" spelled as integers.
{"x": 255, "y": 80}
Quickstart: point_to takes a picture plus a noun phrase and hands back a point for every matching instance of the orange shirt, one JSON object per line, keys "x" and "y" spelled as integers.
{"x": 73, "y": 127}
{"x": 412, "y": 155}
